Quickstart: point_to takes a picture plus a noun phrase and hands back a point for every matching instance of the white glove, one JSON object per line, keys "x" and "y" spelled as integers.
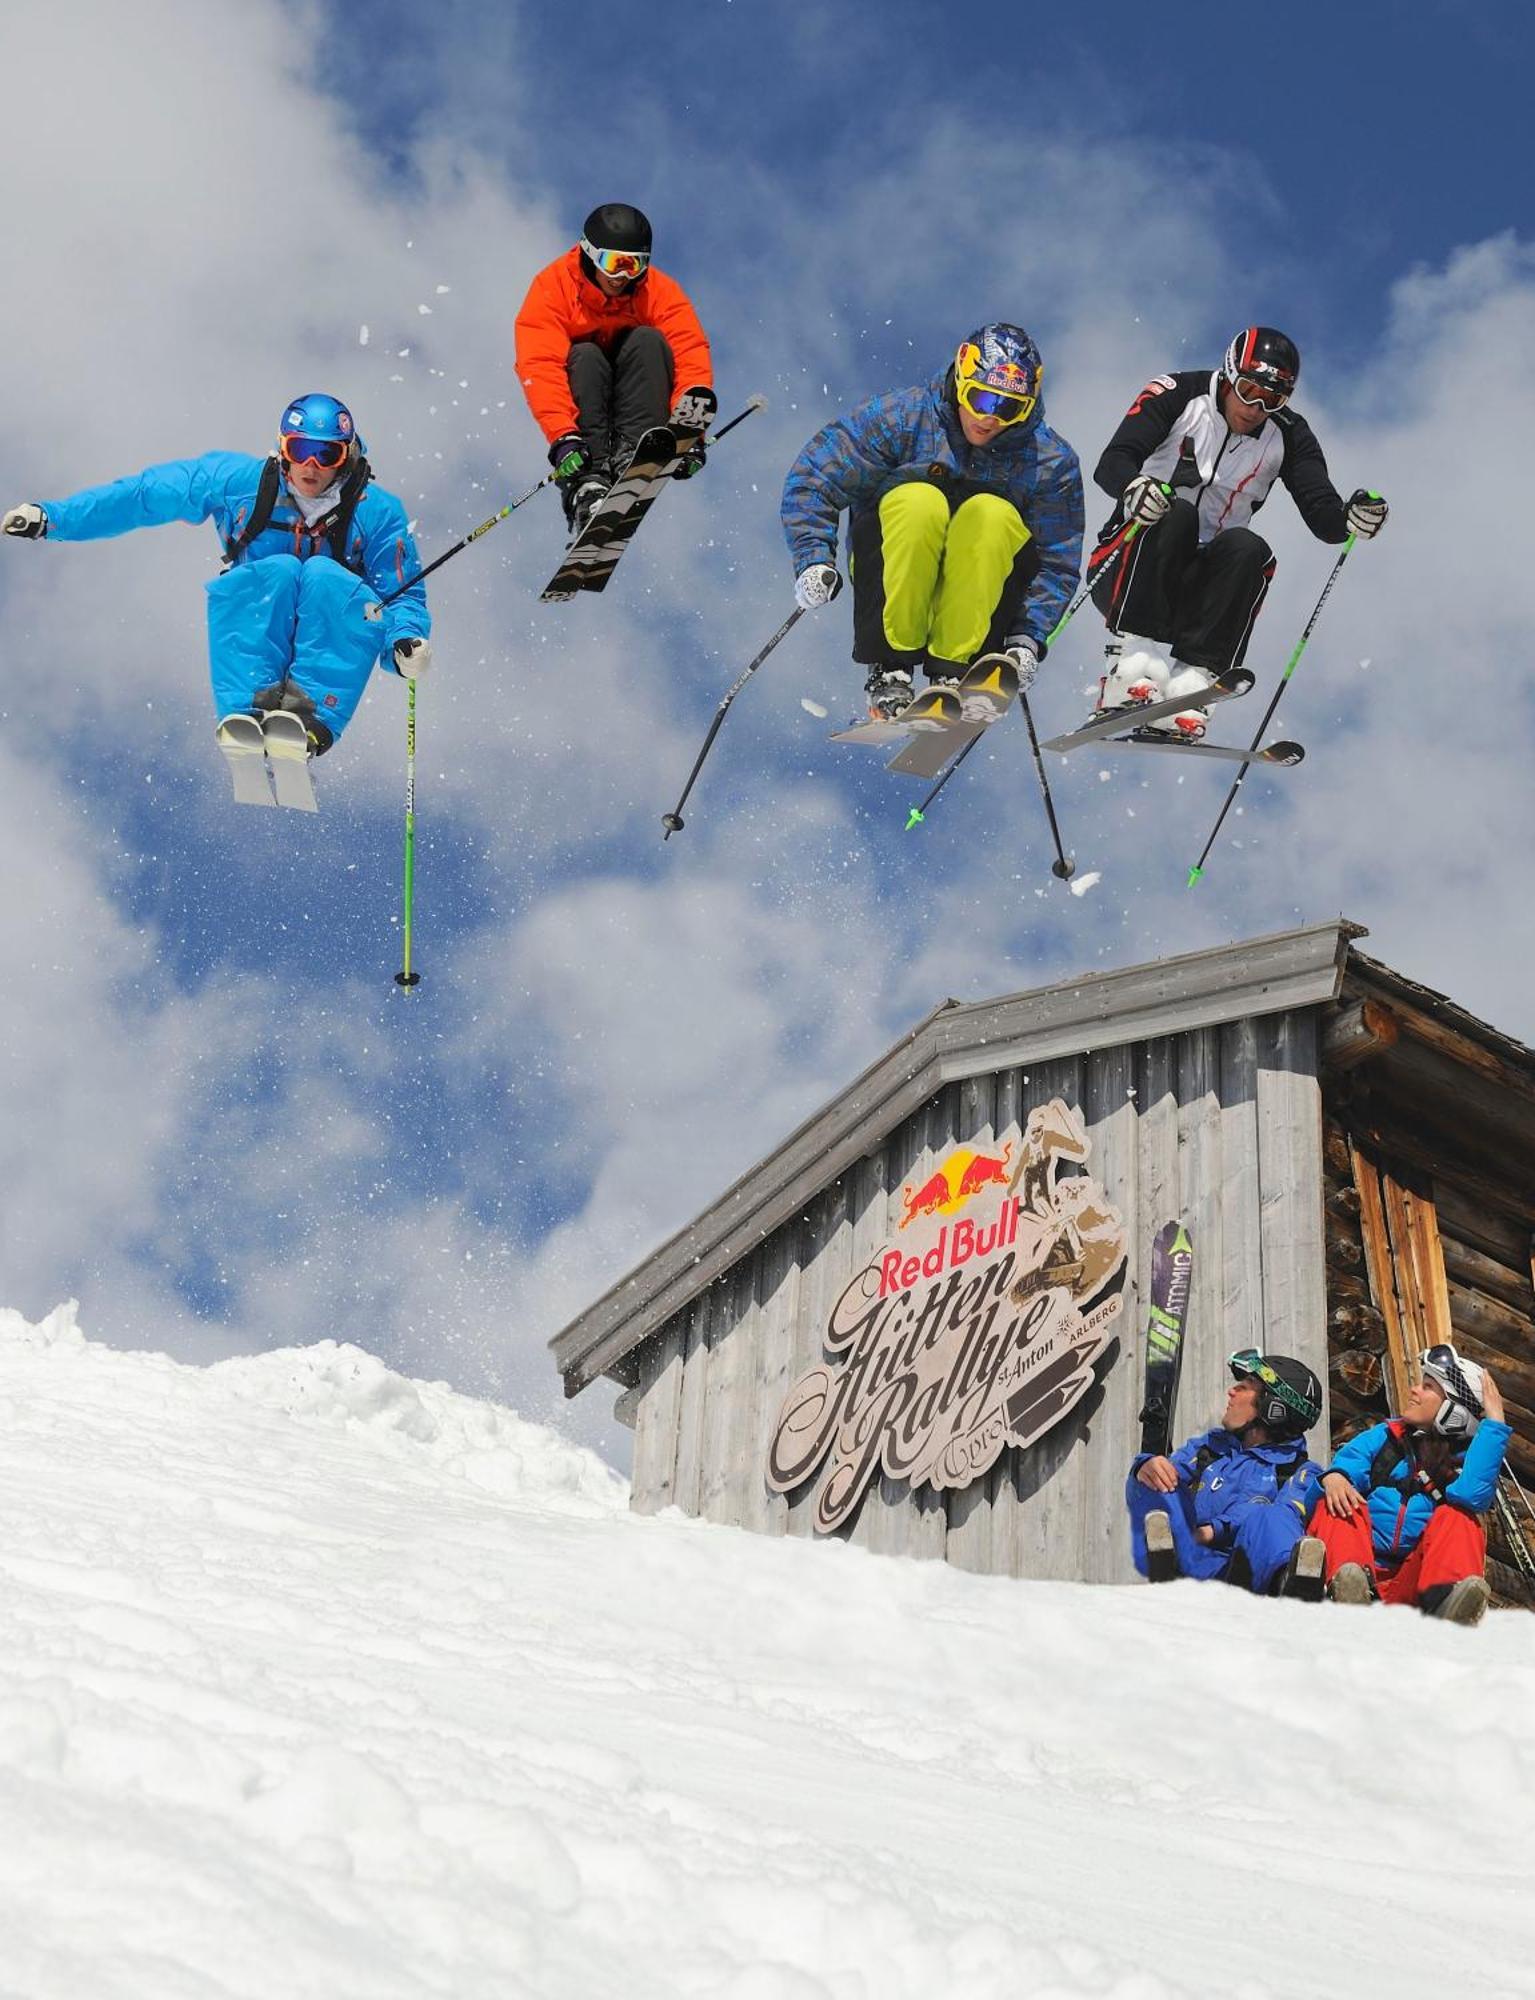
{"x": 1145, "y": 500}
{"x": 816, "y": 586}
{"x": 412, "y": 658}
{"x": 1366, "y": 514}
{"x": 28, "y": 521}
{"x": 1024, "y": 654}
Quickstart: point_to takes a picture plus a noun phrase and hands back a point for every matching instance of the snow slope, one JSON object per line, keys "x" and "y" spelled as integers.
{"x": 315, "y": 1681}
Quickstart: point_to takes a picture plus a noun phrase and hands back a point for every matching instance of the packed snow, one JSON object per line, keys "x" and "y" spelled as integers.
{"x": 315, "y": 1681}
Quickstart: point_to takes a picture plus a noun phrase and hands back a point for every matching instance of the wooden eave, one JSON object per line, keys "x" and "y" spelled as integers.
{"x": 1267, "y": 975}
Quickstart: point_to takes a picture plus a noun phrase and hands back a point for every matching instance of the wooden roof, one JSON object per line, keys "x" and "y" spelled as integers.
{"x": 1267, "y": 975}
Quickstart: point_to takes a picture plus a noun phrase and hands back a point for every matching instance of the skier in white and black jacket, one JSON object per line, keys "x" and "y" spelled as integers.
{"x": 1193, "y": 460}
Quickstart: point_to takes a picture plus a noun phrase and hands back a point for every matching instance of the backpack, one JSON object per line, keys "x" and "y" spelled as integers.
{"x": 334, "y": 529}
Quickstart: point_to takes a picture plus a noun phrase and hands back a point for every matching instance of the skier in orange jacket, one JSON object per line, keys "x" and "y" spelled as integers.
{"x": 606, "y": 345}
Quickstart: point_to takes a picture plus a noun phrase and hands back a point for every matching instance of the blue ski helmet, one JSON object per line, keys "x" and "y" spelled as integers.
{"x": 320, "y": 417}
{"x": 997, "y": 372}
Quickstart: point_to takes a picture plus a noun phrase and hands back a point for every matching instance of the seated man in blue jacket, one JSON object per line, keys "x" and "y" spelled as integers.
{"x": 294, "y": 628}
{"x": 1233, "y": 1503}
{"x": 965, "y": 520}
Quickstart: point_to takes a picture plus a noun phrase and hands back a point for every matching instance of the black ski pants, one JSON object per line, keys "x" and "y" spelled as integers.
{"x": 1201, "y": 603}
{"x": 621, "y": 392}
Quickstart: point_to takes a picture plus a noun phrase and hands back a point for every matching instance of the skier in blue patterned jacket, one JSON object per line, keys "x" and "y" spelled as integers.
{"x": 965, "y": 519}
{"x": 1233, "y": 1502}
{"x": 293, "y": 621}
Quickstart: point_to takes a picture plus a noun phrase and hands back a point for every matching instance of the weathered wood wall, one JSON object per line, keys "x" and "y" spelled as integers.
{"x": 1221, "y": 1126}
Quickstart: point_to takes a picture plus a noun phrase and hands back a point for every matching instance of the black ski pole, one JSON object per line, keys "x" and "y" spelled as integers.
{"x": 673, "y": 821}
{"x": 376, "y": 609}
{"x": 1198, "y": 869}
{"x": 1061, "y": 866}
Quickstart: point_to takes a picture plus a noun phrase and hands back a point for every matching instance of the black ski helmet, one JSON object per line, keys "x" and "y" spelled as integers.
{"x": 1289, "y": 1395}
{"x": 1264, "y": 355}
{"x": 617, "y": 226}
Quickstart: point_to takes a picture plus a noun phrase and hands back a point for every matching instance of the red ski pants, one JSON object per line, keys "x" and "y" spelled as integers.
{"x": 1453, "y": 1545}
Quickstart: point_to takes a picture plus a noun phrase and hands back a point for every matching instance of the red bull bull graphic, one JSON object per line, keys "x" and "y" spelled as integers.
{"x": 976, "y": 1329}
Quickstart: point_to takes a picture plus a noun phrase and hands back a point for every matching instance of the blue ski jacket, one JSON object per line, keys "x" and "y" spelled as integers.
{"x": 849, "y": 462}
{"x": 1227, "y": 1478}
{"x": 1400, "y": 1509}
{"x": 221, "y": 487}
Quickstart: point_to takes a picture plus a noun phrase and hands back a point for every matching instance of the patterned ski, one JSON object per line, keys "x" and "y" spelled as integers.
{"x": 1282, "y": 755}
{"x": 593, "y": 555}
{"x": 1225, "y": 687}
{"x": 1172, "y": 1273}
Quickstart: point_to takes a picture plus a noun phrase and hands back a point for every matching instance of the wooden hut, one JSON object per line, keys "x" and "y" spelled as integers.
{"x": 920, "y": 1321}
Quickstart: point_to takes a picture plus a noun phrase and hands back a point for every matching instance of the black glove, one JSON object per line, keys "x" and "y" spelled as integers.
{"x": 691, "y": 461}
{"x": 570, "y": 457}
{"x": 1366, "y": 514}
{"x": 28, "y": 521}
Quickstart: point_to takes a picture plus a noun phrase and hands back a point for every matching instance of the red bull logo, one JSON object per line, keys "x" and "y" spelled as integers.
{"x": 963, "y": 1174}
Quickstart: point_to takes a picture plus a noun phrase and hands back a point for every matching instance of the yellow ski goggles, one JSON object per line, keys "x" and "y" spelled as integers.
{"x": 1011, "y": 402}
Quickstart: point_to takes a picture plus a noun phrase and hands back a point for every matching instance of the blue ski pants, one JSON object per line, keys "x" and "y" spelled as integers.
{"x": 279, "y": 616}
{"x": 1267, "y": 1532}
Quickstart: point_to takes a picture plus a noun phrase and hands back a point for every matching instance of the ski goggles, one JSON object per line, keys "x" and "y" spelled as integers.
{"x": 618, "y": 263}
{"x": 1259, "y": 395}
{"x": 297, "y": 450}
{"x": 983, "y": 402}
{"x": 1249, "y": 1362}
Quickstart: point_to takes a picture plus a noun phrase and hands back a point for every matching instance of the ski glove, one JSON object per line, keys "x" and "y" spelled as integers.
{"x": 691, "y": 461}
{"x": 1145, "y": 500}
{"x": 816, "y": 586}
{"x": 1366, "y": 514}
{"x": 1025, "y": 656}
{"x": 412, "y": 658}
{"x": 28, "y": 521}
{"x": 570, "y": 457}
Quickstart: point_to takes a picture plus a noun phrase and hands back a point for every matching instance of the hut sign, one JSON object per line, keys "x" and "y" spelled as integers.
{"x": 977, "y": 1327}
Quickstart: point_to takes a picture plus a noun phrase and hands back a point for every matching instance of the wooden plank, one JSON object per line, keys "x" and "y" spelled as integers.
{"x": 1381, "y": 1273}
{"x": 829, "y": 1231}
{"x": 1241, "y": 1315}
{"x": 1351, "y": 1035}
{"x": 967, "y": 1537}
{"x": 1100, "y": 1010}
{"x": 687, "y": 1488}
{"x": 778, "y": 1306}
{"x": 655, "y": 1426}
{"x": 1201, "y": 1203}
{"x": 1290, "y": 1186}
{"x": 1002, "y": 1502}
{"x": 1112, "y": 1420}
{"x": 1410, "y": 1305}
{"x": 1486, "y": 1274}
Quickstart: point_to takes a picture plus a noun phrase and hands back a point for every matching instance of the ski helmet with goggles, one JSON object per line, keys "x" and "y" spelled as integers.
{"x": 1461, "y": 1380}
{"x": 316, "y": 427}
{"x": 1262, "y": 365}
{"x": 615, "y": 240}
{"x": 1289, "y": 1395}
{"x": 996, "y": 373}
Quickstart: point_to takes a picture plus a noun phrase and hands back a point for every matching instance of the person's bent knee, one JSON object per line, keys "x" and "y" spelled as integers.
{"x": 913, "y": 499}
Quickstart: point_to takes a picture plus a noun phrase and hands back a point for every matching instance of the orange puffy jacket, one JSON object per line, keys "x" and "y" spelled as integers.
{"x": 564, "y": 306}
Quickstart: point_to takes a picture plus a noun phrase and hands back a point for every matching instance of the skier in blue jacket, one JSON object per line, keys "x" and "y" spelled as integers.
{"x": 1233, "y": 1503}
{"x": 294, "y": 628}
{"x": 965, "y": 519}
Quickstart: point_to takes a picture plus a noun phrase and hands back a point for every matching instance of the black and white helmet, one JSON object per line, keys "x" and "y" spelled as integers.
{"x": 1264, "y": 355}
{"x": 1461, "y": 1380}
{"x": 1289, "y": 1394}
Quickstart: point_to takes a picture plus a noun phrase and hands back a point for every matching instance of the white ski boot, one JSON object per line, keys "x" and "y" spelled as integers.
{"x": 1187, "y": 725}
{"x": 1130, "y": 679}
{"x": 240, "y": 739}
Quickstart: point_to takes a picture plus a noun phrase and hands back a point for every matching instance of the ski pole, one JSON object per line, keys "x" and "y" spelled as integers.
{"x": 1062, "y": 868}
{"x": 1198, "y": 869}
{"x": 915, "y": 817}
{"x": 376, "y": 610}
{"x": 1513, "y": 1534}
{"x": 405, "y": 976}
{"x": 673, "y": 821}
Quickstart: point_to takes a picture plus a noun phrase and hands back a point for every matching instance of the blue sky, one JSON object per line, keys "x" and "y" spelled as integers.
{"x": 227, "y": 1128}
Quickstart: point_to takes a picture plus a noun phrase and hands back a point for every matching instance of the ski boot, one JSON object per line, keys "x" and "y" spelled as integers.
{"x": 1352, "y": 1583}
{"x": 586, "y": 497}
{"x": 889, "y": 691}
{"x": 1130, "y": 680}
{"x": 1460, "y": 1603}
{"x": 1302, "y": 1574}
{"x": 1188, "y": 724}
{"x": 1162, "y": 1565}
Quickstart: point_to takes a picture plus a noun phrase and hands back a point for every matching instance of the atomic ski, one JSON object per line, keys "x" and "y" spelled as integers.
{"x": 1284, "y": 755}
{"x": 1172, "y": 1272}
{"x": 593, "y": 555}
{"x": 1225, "y": 687}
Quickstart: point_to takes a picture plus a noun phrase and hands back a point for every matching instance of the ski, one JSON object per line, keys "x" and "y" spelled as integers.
{"x": 240, "y": 740}
{"x": 1225, "y": 687}
{"x": 1282, "y": 755}
{"x": 985, "y": 694}
{"x": 287, "y": 751}
{"x": 593, "y": 555}
{"x": 1172, "y": 1272}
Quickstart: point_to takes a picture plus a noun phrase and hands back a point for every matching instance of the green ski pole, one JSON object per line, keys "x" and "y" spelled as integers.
{"x": 405, "y": 976}
{"x": 1196, "y": 873}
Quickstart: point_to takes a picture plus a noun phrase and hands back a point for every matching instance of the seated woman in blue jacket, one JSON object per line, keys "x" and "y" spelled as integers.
{"x": 1398, "y": 1516}
{"x": 294, "y": 628}
{"x": 1232, "y": 1503}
